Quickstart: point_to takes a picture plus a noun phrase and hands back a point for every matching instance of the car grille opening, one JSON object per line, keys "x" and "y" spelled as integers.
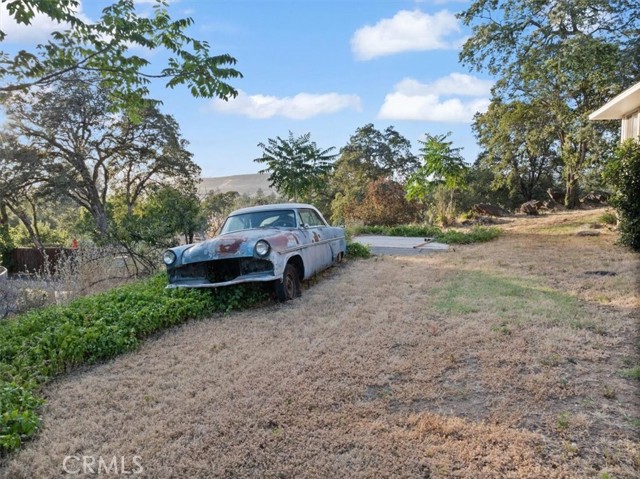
{"x": 229, "y": 269}
{"x": 219, "y": 271}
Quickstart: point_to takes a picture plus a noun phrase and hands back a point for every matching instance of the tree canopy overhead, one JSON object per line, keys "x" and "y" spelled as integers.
{"x": 105, "y": 47}
{"x": 565, "y": 57}
{"x": 507, "y": 32}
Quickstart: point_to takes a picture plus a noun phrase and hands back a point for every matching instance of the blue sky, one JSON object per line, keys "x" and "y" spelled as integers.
{"x": 321, "y": 66}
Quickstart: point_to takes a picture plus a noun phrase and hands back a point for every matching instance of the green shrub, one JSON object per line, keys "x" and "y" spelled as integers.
{"x": 44, "y": 343}
{"x": 477, "y": 234}
{"x": 608, "y": 218}
{"x": 631, "y": 373}
{"x": 358, "y": 250}
{"x": 624, "y": 175}
{"x": 402, "y": 230}
{"x": 19, "y": 419}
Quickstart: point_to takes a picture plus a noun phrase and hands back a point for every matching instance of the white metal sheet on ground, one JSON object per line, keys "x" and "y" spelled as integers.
{"x": 399, "y": 242}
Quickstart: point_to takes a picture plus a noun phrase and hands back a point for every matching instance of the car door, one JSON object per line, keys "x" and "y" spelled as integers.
{"x": 317, "y": 254}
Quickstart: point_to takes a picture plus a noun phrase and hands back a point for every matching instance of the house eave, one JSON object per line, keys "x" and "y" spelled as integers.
{"x": 616, "y": 109}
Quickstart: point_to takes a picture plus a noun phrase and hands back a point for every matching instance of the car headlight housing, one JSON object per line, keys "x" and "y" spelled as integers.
{"x": 262, "y": 248}
{"x": 169, "y": 257}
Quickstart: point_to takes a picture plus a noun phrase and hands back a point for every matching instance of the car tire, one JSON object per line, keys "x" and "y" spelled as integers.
{"x": 289, "y": 287}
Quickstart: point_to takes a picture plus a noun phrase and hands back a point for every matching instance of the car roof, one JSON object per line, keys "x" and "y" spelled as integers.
{"x": 277, "y": 206}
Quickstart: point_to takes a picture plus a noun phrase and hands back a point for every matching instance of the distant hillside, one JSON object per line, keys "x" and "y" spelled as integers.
{"x": 249, "y": 184}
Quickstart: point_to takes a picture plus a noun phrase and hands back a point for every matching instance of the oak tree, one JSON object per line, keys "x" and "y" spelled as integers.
{"x": 89, "y": 153}
{"x": 567, "y": 56}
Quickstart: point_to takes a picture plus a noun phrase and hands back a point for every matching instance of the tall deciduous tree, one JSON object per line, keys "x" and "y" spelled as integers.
{"x": 378, "y": 154}
{"x": 71, "y": 125}
{"x": 520, "y": 147}
{"x": 369, "y": 155}
{"x": 105, "y": 47}
{"x": 443, "y": 172}
{"x": 297, "y": 167}
{"x": 150, "y": 152}
{"x": 167, "y": 213}
{"x": 569, "y": 56}
{"x": 87, "y": 152}
{"x": 21, "y": 184}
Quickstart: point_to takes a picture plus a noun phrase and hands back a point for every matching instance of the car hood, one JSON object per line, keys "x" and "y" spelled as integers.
{"x": 241, "y": 244}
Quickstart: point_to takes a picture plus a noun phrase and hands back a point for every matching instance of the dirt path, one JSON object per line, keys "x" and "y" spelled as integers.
{"x": 495, "y": 360}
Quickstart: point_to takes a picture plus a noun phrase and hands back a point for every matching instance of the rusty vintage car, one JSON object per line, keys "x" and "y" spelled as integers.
{"x": 283, "y": 243}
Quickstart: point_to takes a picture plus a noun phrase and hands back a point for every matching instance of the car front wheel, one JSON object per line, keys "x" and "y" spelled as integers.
{"x": 289, "y": 287}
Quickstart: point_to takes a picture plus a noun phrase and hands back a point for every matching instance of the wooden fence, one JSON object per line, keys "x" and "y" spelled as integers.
{"x": 31, "y": 260}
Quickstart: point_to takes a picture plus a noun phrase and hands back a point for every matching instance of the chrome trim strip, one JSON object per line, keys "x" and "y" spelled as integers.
{"x": 238, "y": 280}
{"x": 299, "y": 247}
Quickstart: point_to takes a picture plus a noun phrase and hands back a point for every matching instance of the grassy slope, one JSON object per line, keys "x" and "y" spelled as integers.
{"x": 493, "y": 360}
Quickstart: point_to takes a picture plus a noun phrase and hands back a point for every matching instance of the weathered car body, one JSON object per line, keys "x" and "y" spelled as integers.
{"x": 283, "y": 243}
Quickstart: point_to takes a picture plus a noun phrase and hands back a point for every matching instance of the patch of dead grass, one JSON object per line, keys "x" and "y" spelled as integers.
{"x": 459, "y": 448}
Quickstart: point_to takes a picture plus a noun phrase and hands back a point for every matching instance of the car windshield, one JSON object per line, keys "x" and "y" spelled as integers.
{"x": 260, "y": 219}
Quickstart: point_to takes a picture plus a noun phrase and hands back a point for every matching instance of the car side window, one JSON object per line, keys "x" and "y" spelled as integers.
{"x": 311, "y": 218}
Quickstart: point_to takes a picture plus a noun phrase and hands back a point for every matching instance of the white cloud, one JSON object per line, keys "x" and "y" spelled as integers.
{"x": 412, "y": 100}
{"x": 406, "y": 31}
{"x": 38, "y": 30}
{"x": 452, "y": 84}
{"x": 298, "y": 107}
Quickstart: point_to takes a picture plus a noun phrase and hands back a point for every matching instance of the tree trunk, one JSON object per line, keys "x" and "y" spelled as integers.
{"x": 33, "y": 235}
{"x": 100, "y": 216}
{"x": 571, "y": 195}
{"x": 4, "y": 215}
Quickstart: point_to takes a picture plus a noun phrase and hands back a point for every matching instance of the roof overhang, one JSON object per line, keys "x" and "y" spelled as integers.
{"x": 616, "y": 109}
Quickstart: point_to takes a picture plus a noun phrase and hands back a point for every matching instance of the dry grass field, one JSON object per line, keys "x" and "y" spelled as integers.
{"x": 497, "y": 360}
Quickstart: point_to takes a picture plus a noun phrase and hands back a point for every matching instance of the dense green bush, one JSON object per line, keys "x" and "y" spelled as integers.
{"x": 358, "y": 250}
{"x": 39, "y": 345}
{"x": 19, "y": 419}
{"x": 608, "y": 218}
{"x": 402, "y": 230}
{"x": 624, "y": 175}
{"x": 477, "y": 234}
